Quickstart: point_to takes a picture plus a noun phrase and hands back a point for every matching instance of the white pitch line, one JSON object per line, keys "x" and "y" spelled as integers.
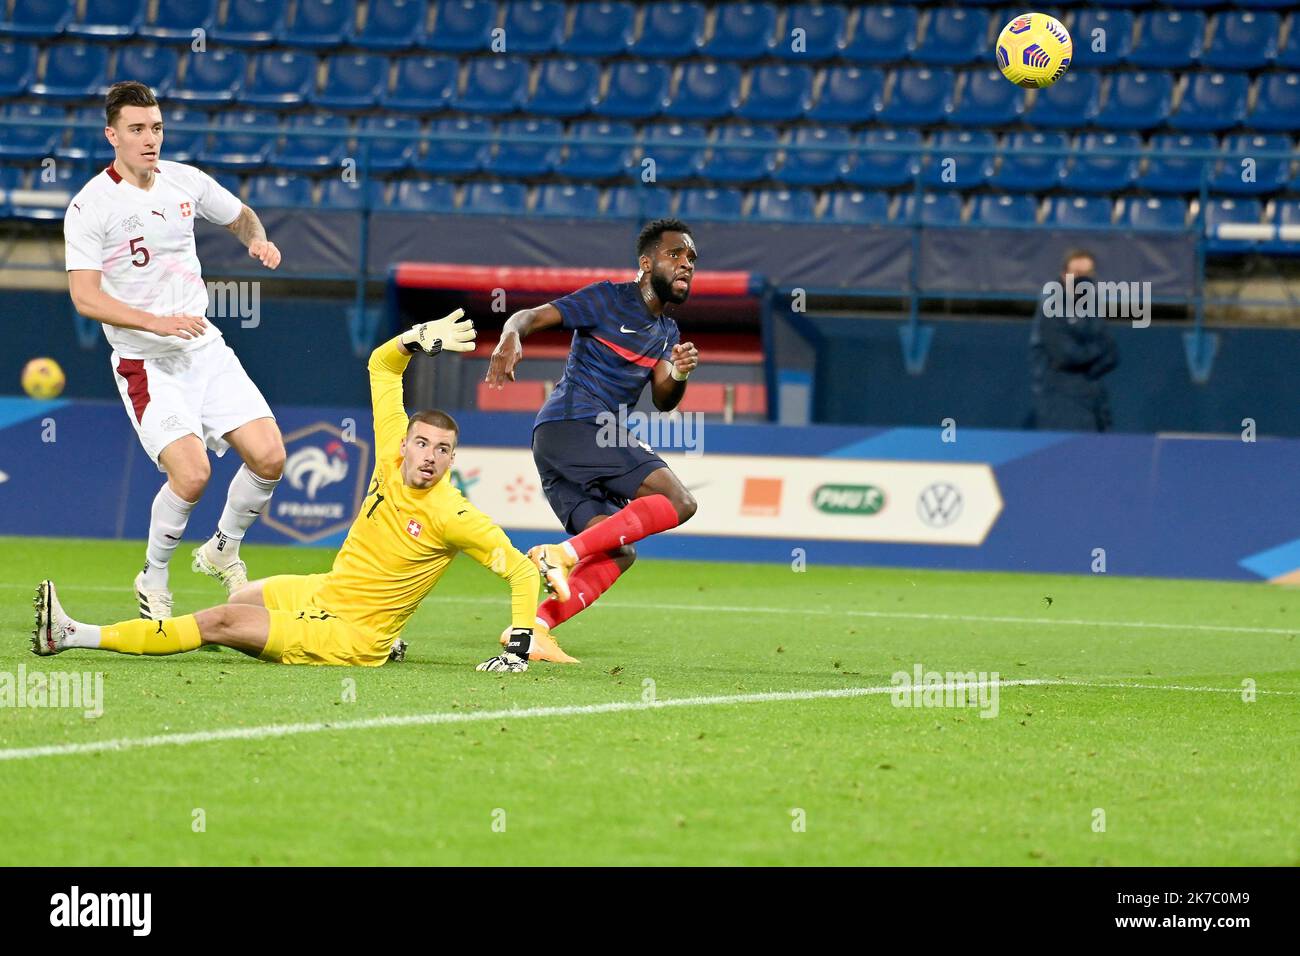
{"x": 828, "y": 612}
{"x": 445, "y": 717}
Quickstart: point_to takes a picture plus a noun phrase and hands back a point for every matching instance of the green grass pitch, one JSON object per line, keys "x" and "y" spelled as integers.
{"x": 1182, "y": 776}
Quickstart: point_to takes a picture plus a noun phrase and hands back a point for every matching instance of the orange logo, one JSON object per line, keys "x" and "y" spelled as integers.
{"x": 761, "y": 497}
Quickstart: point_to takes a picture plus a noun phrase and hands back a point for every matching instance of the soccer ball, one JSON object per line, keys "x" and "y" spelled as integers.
{"x": 1034, "y": 50}
{"x": 42, "y": 378}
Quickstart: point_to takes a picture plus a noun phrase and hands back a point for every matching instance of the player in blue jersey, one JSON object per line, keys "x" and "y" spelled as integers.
{"x": 608, "y": 489}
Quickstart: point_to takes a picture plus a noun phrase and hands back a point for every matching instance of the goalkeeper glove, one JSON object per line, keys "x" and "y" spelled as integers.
{"x": 454, "y": 332}
{"x": 515, "y": 657}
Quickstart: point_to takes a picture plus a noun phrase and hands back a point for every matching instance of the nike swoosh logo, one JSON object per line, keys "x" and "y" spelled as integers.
{"x": 622, "y": 329}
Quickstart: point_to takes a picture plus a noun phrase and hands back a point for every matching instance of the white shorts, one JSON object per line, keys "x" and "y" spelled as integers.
{"x": 205, "y": 392}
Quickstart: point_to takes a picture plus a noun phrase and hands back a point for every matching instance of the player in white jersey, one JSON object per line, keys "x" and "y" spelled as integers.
{"x": 131, "y": 265}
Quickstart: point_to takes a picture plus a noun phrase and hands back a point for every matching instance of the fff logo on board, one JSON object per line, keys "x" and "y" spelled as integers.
{"x": 324, "y": 483}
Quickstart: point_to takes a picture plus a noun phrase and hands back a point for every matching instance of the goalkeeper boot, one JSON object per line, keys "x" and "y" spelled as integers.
{"x": 555, "y": 563}
{"x": 233, "y": 575}
{"x": 544, "y": 646}
{"x": 155, "y": 603}
{"x": 52, "y": 625}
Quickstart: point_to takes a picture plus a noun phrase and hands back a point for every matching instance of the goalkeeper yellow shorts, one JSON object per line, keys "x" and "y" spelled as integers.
{"x": 302, "y": 632}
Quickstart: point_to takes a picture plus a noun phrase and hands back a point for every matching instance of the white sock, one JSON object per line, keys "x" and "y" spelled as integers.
{"x": 167, "y": 523}
{"x": 246, "y": 499}
{"x": 568, "y": 549}
{"x": 81, "y": 635}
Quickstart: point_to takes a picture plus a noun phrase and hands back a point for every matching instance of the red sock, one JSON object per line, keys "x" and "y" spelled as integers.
{"x": 640, "y": 519}
{"x": 588, "y": 580}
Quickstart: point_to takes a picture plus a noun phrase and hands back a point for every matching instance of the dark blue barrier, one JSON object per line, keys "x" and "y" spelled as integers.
{"x": 1163, "y": 506}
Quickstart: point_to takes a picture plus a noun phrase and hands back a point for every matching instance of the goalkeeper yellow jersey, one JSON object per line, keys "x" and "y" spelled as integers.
{"x": 404, "y": 538}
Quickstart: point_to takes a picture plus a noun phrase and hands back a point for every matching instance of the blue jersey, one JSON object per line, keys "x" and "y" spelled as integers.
{"x": 617, "y": 342}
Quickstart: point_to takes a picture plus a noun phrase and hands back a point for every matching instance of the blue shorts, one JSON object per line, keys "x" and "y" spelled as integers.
{"x": 581, "y": 478}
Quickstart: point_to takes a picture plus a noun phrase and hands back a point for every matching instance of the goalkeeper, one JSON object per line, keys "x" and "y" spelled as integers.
{"x": 412, "y": 522}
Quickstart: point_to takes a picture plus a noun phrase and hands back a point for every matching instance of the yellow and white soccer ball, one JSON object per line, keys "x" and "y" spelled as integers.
{"x": 1034, "y": 50}
{"x": 42, "y": 378}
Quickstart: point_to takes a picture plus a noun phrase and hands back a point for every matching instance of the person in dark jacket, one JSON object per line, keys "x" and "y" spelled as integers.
{"x": 1070, "y": 353}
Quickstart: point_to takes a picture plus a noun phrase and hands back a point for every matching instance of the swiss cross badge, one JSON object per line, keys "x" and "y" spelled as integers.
{"x": 413, "y": 528}
{"x": 187, "y": 210}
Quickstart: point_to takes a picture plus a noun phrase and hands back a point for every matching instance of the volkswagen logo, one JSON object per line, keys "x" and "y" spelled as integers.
{"x": 939, "y": 505}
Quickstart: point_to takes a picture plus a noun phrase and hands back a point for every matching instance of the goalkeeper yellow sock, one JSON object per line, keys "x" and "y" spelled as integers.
{"x": 172, "y": 636}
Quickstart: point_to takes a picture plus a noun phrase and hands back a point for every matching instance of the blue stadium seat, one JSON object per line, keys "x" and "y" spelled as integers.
{"x": 534, "y": 26}
{"x": 782, "y": 92}
{"x": 849, "y": 94}
{"x": 876, "y": 167}
{"x": 566, "y": 88}
{"x": 390, "y": 25}
{"x": 454, "y": 156}
{"x": 322, "y": 146}
{"x": 1277, "y": 105}
{"x": 281, "y": 79}
{"x": 987, "y": 99}
{"x": 89, "y": 142}
{"x": 501, "y": 199}
{"x": 1243, "y": 40}
{"x": 637, "y": 90}
{"x": 1212, "y": 101}
{"x": 108, "y": 20}
{"x": 11, "y": 178}
{"x": 1094, "y": 167}
{"x": 213, "y": 78}
{"x": 1072, "y": 101}
{"x": 155, "y": 66}
{"x": 1079, "y": 212}
{"x": 48, "y": 202}
{"x": 424, "y": 195}
{"x": 855, "y": 207}
{"x": 252, "y": 22}
{"x": 742, "y": 31}
{"x": 592, "y": 152}
{"x": 670, "y": 30}
{"x": 279, "y": 192}
{"x": 336, "y": 194}
{"x": 823, "y": 34}
{"x": 1154, "y": 213}
{"x": 1020, "y": 171}
{"x": 1287, "y": 212}
{"x": 664, "y": 144}
{"x": 73, "y": 71}
{"x": 425, "y": 84}
{"x": 244, "y": 141}
{"x": 706, "y": 90}
{"x": 1137, "y": 101}
{"x": 463, "y": 25}
{"x": 710, "y": 204}
{"x": 639, "y": 202}
{"x": 178, "y": 19}
{"x": 742, "y": 154}
{"x": 966, "y": 170}
{"x": 600, "y": 29}
{"x": 574, "y": 202}
{"x": 495, "y": 84}
{"x": 1288, "y": 54}
{"x": 937, "y": 209}
{"x": 1174, "y": 174}
{"x": 1234, "y": 176}
{"x": 388, "y": 154}
{"x": 955, "y": 35}
{"x": 322, "y": 23}
{"x": 884, "y": 34}
{"x": 1118, "y": 34}
{"x": 1168, "y": 38}
{"x": 37, "y": 18}
{"x": 17, "y": 67}
{"x": 1221, "y": 212}
{"x": 533, "y": 157}
{"x": 919, "y": 96}
{"x": 816, "y": 167}
{"x": 784, "y": 205}
{"x": 353, "y": 81}
{"x": 182, "y": 142}
{"x": 1009, "y": 211}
